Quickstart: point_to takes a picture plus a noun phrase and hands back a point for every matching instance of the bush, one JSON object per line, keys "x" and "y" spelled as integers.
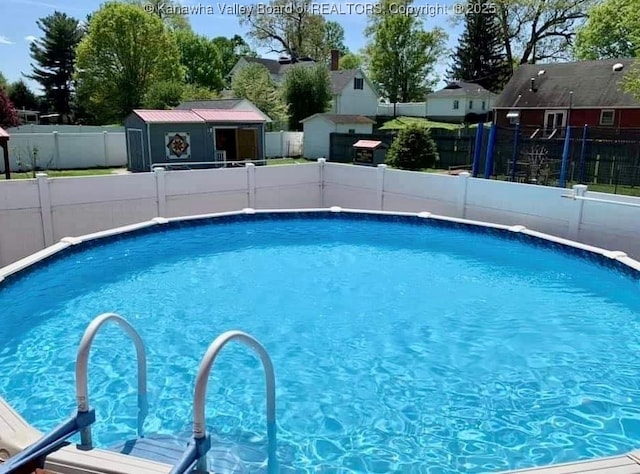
{"x": 412, "y": 149}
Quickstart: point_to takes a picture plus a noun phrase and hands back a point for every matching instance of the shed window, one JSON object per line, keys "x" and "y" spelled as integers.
{"x": 358, "y": 83}
{"x": 484, "y": 105}
{"x": 352, "y": 130}
{"x": 456, "y": 104}
{"x": 470, "y": 105}
{"x": 606, "y": 117}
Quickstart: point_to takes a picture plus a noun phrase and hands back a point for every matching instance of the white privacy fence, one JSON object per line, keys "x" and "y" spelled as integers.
{"x": 39, "y": 212}
{"x": 80, "y": 148}
{"x": 407, "y": 109}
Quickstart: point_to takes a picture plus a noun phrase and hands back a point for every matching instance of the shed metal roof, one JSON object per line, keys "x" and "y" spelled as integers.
{"x": 3, "y": 133}
{"x": 226, "y": 115}
{"x": 168, "y": 116}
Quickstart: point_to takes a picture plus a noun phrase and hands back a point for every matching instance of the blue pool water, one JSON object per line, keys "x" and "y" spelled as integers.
{"x": 397, "y": 347}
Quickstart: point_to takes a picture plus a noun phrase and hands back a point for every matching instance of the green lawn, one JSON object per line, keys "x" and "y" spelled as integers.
{"x": 64, "y": 173}
{"x": 402, "y": 122}
{"x": 288, "y": 161}
{"x": 611, "y": 188}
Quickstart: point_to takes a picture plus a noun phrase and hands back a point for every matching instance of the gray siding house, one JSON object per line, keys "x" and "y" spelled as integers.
{"x": 197, "y": 138}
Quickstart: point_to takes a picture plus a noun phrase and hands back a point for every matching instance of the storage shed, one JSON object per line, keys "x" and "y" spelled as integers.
{"x": 319, "y": 127}
{"x": 369, "y": 152}
{"x": 194, "y": 138}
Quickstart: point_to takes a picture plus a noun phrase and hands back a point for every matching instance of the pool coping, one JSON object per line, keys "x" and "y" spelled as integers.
{"x": 72, "y": 461}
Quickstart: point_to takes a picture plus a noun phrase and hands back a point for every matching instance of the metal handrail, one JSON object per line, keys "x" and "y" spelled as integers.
{"x": 196, "y": 454}
{"x": 82, "y": 360}
{"x": 606, "y": 201}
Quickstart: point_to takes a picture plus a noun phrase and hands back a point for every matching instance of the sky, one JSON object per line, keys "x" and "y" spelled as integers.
{"x": 18, "y": 25}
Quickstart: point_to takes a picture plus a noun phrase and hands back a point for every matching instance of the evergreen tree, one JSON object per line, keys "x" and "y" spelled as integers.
{"x": 54, "y": 55}
{"x": 307, "y": 91}
{"x": 480, "y": 56}
{"x": 22, "y": 97}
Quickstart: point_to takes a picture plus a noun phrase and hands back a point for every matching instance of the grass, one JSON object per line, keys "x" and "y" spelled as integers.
{"x": 402, "y": 122}
{"x": 288, "y": 161}
{"x": 611, "y": 189}
{"x": 64, "y": 173}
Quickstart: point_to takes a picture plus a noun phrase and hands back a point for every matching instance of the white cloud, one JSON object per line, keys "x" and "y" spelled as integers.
{"x": 30, "y": 38}
{"x": 5, "y": 40}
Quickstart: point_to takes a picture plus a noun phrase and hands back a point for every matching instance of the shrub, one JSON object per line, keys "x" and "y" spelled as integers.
{"x": 412, "y": 149}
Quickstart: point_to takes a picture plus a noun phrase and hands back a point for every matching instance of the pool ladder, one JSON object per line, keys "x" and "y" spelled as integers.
{"x": 194, "y": 458}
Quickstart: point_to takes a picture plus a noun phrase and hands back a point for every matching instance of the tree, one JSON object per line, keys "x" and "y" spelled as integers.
{"x": 333, "y": 38}
{"x": 351, "y": 61}
{"x": 231, "y": 50}
{"x": 163, "y": 95}
{"x": 201, "y": 59}
{"x": 22, "y": 97}
{"x": 480, "y": 56}
{"x": 255, "y": 84}
{"x": 124, "y": 54}
{"x": 307, "y": 91}
{"x": 612, "y": 30}
{"x": 401, "y": 56}
{"x": 3, "y": 81}
{"x": 8, "y": 113}
{"x": 193, "y": 92}
{"x": 293, "y": 29}
{"x": 538, "y": 30}
{"x": 631, "y": 80}
{"x": 55, "y": 57}
{"x": 171, "y": 12}
{"x": 412, "y": 149}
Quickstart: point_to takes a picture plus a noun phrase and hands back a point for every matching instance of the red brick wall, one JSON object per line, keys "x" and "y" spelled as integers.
{"x": 624, "y": 118}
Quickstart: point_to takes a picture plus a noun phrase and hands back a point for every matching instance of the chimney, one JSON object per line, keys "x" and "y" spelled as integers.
{"x": 533, "y": 84}
{"x": 335, "y": 60}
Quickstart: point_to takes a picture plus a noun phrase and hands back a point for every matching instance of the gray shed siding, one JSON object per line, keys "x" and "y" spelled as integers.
{"x": 135, "y": 163}
{"x": 201, "y": 142}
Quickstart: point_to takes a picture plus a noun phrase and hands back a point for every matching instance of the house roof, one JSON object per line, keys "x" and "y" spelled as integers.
{"x": 594, "y": 84}
{"x": 199, "y": 116}
{"x": 274, "y": 66}
{"x": 344, "y": 78}
{"x": 227, "y": 103}
{"x": 225, "y": 115}
{"x": 168, "y": 116}
{"x": 371, "y": 144}
{"x": 3, "y": 133}
{"x": 336, "y": 118}
{"x": 461, "y": 89}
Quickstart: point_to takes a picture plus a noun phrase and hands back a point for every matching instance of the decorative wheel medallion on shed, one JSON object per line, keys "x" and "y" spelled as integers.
{"x": 177, "y": 145}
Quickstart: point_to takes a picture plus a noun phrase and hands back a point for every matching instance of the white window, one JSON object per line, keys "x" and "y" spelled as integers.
{"x": 470, "y": 105}
{"x": 607, "y": 117}
{"x": 456, "y": 105}
{"x": 554, "y": 119}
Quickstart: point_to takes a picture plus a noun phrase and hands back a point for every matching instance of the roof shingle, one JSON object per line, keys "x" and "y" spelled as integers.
{"x": 228, "y": 103}
{"x": 594, "y": 84}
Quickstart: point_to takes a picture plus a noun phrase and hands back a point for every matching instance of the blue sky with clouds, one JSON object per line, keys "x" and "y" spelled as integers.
{"x": 18, "y": 25}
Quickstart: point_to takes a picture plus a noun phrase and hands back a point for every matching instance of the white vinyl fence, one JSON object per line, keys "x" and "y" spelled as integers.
{"x": 407, "y": 109}
{"x": 38, "y": 212}
{"x": 77, "y": 147}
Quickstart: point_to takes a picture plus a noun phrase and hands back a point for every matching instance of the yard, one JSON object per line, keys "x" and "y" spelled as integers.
{"x": 402, "y": 122}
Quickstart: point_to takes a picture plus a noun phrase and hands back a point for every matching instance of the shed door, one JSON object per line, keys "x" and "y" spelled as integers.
{"x": 136, "y": 152}
{"x": 247, "y": 144}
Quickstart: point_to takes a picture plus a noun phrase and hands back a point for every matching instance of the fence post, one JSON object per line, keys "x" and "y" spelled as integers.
{"x": 477, "y": 150}
{"x": 282, "y": 147}
{"x": 56, "y": 150}
{"x": 488, "y": 165}
{"x": 321, "y": 162}
{"x": 105, "y": 141}
{"x": 462, "y": 193}
{"x": 583, "y": 151}
{"x": 161, "y": 189}
{"x": 381, "y": 171}
{"x": 45, "y": 208}
{"x": 565, "y": 159}
{"x": 576, "y": 217}
{"x": 516, "y": 151}
{"x": 251, "y": 185}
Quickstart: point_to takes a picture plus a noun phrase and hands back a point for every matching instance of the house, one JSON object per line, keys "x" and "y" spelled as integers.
{"x": 277, "y": 67}
{"x": 319, "y": 127}
{"x": 226, "y": 104}
{"x": 193, "y": 138}
{"x": 460, "y": 102}
{"x": 548, "y": 97}
{"x": 352, "y": 91}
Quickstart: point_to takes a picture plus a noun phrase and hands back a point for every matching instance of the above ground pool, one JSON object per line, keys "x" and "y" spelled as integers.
{"x": 399, "y": 344}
